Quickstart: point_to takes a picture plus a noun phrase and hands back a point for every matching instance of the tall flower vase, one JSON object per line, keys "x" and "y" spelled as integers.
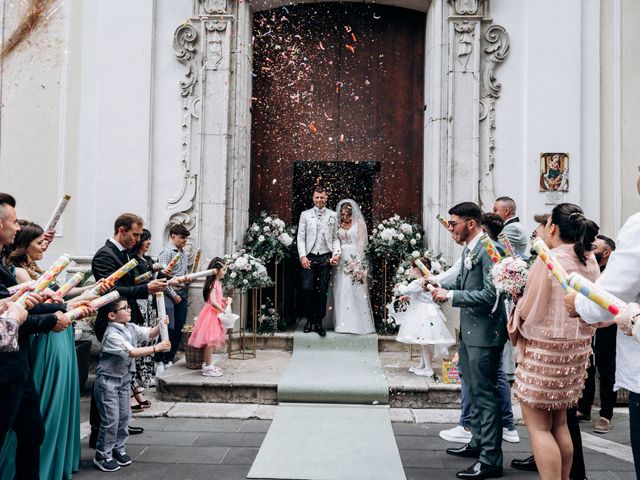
{"x": 241, "y": 341}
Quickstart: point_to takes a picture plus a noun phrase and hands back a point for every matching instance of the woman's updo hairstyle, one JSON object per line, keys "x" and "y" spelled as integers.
{"x": 574, "y": 227}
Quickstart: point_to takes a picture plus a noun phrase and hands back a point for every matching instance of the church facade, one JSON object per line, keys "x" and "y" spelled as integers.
{"x": 206, "y": 111}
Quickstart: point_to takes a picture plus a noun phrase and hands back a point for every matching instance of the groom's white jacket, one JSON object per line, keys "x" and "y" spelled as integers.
{"x": 310, "y": 227}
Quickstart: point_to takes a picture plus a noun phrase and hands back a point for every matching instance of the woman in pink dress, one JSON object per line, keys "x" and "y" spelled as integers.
{"x": 553, "y": 349}
{"x": 208, "y": 332}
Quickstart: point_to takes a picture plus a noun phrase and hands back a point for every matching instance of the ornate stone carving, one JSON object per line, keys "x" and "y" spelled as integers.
{"x": 184, "y": 47}
{"x": 465, "y": 40}
{"x": 498, "y": 48}
{"x": 209, "y": 7}
{"x": 465, "y": 7}
{"x": 181, "y": 208}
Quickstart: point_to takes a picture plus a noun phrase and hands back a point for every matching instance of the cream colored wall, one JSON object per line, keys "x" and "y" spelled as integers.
{"x": 630, "y": 102}
{"x": 620, "y": 112}
{"x": 30, "y": 114}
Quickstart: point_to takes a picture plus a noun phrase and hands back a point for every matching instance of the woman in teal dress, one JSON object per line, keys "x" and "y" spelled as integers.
{"x": 55, "y": 373}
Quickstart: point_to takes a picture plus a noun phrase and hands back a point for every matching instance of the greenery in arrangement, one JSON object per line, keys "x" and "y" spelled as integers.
{"x": 269, "y": 321}
{"x": 245, "y": 271}
{"x": 269, "y": 238}
{"x": 394, "y": 239}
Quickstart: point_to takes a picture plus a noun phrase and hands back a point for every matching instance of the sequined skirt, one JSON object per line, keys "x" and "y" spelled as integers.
{"x": 552, "y": 373}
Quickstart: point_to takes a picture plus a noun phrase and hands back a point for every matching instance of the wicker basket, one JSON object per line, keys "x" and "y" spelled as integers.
{"x": 193, "y": 356}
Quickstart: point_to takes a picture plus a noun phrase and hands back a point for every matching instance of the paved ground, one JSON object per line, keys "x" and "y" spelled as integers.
{"x": 197, "y": 448}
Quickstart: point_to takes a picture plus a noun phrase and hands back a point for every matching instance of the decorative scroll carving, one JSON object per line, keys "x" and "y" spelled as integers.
{"x": 498, "y": 48}
{"x": 180, "y": 208}
{"x": 465, "y": 40}
{"x": 184, "y": 47}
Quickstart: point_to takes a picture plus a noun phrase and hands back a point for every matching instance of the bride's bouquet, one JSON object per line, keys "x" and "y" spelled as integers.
{"x": 356, "y": 270}
{"x": 510, "y": 276}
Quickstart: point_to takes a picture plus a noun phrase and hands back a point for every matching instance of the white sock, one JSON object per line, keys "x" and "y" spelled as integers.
{"x": 426, "y": 357}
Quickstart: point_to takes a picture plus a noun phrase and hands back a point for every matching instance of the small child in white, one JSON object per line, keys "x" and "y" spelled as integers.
{"x": 112, "y": 388}
{"x": 422, "y": 323}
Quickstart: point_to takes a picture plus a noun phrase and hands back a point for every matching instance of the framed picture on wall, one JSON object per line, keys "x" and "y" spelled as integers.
{"x": 554, "y": 172}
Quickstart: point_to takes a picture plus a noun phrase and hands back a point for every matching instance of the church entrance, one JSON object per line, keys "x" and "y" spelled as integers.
{"x": 338, "y": 95}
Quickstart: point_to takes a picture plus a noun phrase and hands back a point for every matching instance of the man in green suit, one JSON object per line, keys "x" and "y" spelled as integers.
{"x": 483, "y": 335}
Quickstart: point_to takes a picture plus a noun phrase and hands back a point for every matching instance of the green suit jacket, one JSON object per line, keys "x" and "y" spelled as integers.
{"x": 475, "y": 295}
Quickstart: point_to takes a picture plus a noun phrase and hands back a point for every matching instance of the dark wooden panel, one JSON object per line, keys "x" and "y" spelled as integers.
{"x": 322, "y": 95}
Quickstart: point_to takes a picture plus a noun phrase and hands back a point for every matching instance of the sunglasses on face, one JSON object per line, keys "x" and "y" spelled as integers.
{"x": 452, "y": 224}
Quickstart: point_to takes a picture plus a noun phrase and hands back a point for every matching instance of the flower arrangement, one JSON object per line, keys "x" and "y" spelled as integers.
{"x": 245, "y": 271}
{"x": 269, "y": 321}
{"x": 510, "y": 275}
{"x": 403, "y": 272}
{"x": 356, "y": 270}
{"x": 269, "y": 237}
{"x": 394, "y": 238}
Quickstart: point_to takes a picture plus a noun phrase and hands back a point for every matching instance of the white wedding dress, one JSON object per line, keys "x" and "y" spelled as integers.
{"x": 352, "y": 306}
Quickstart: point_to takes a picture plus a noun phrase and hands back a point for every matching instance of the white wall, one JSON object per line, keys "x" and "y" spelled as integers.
{"x": 549, "y": 100}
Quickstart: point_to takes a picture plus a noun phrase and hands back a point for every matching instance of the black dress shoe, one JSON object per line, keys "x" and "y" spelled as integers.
{"x": 464, "y": 451}
{"x": 319, "y": 330}
{"x": 135, "y": 430}
{"x": 528, "y": 464}
{"x": 307, "y": 327}
{"x": 479, "y": 471}
{"x": 93, "y": 438}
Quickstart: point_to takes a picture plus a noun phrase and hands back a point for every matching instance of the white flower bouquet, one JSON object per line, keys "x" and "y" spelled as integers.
{"x": 510, "y": 276}
{"x": 394, "y": 238}
{"x": 245, "y": 271}
{"x": 356, "y": 270}
{"x": 269, "y": 237}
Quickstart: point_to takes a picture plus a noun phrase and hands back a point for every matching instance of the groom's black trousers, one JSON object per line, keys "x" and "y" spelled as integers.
{"x": 315, "y": 283}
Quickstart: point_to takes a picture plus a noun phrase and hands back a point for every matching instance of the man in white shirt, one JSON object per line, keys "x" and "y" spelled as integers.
{"x": 622, "y": 279}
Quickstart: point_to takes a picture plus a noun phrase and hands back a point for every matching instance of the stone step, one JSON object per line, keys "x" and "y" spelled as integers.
{"x": 256, "y": 381}
{"x": 284, "y": 341}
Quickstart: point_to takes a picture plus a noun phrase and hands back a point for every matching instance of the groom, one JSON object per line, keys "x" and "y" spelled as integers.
{"x": 319, "y": 250}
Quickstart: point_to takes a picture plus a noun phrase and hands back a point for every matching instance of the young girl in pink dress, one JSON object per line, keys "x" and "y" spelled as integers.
{"x": 208, "y": 332}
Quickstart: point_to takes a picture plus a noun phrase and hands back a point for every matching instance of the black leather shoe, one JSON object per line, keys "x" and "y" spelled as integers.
{"x": 319, "y": 330}
{"x": 480, "y": 470}
{"x": 93, "y": 438}
{"x": 464, "y": 451}
{"x": 307, "y": 327}
{"x": 135, "y": 430}
{"x": 528, "y": 464}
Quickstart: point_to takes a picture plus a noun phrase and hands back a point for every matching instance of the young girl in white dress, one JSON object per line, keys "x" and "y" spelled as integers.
{"x": 422, "y": 323}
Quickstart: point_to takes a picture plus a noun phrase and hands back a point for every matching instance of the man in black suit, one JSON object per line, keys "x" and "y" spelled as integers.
{"x": 20, "y": 402}
{"x": 109, "y": 258}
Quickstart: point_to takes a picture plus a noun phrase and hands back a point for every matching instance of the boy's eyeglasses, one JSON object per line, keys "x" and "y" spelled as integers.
{"x": 126, "y": 307}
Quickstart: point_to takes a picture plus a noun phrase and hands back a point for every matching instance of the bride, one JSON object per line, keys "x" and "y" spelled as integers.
{"x": 350, "y": 289}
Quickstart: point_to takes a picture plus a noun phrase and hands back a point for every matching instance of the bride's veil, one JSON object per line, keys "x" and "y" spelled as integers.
{"x": 357, "y": 219}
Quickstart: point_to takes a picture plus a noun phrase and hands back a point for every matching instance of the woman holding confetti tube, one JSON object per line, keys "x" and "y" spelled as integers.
{"x": 145, "y": 366}
{"x": 55, "y": 372}
{"x": 553, "y": 349}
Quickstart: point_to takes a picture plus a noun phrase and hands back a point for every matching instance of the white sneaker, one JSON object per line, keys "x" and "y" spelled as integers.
{"x": 168, "y": 365}
{"x": 159, "y": 367}
{"x": 415, "y": 369}
{"x": 209, "y": 367}
{"x": 424, "y": 373}
{"x": 457, "y": 434}
{"x": 213, "y": 372}
{"x": 510, "y": 436}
